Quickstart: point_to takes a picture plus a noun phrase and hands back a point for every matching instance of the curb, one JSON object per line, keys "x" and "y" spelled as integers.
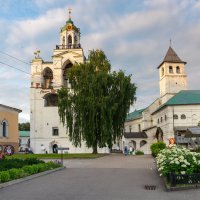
{"x": 3, "y": 185}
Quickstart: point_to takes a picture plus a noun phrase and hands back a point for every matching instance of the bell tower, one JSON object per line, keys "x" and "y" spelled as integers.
{"x": 47, "y": 77}
{"x": 172, "y": 75}
{"x": 70, "y": 35}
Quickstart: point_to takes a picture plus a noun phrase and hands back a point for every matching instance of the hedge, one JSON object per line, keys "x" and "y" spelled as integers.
{"x": 27, "y": 170}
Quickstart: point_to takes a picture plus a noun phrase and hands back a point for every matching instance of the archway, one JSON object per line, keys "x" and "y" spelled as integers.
{"x": 48, "y": 77}
{"x": 159, "y": 134}
{"x": 55, "y": 148}
{"x": 50, "y": 99}
{"x": 65, "y": 69}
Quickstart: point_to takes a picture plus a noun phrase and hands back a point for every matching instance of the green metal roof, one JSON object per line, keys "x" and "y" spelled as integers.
{"x": 24, "y": 133}
{"x": 135, "y": 115}
{"x": 184, "y": 97}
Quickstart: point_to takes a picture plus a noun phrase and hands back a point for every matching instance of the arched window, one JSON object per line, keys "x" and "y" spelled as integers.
{"x": 142, "y": 143}
{"x": 161, "y": 120}
{"x": 4, "y": 128}
{"x": 63, "y": 41}
{"x": 165, "y": 117}
{"x": 175, "y": 116}
{"x": 178, "y": 70}
{"x": 170, "y": 69}
{"x": 163, "y": 71}
{"x": 130, "y": 129}
{"x": 50, "y": 100}
{"x": 158, "y": 121}
{"x": 183, "y": 116}
{"x": 75, "y": 38}
{"x": 65, "y": 80}
{"x": 48, "y": 77}
{"x": 69, "y": 41}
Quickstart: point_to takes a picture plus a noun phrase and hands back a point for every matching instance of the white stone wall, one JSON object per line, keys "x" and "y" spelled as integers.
{"x": 172, "y": 83}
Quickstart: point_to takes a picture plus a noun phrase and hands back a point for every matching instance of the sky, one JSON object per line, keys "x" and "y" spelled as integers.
{"x": 134, "y": 34}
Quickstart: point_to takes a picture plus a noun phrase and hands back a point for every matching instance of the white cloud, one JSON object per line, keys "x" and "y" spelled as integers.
{"x": 30, "y": 29}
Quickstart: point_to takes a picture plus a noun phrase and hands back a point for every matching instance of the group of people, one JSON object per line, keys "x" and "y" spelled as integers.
{"x": 129, "y": 151}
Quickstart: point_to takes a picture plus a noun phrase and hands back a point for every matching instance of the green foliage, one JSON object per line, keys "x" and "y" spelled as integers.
{"x": 4, "y": 176}
{"x": 197, "y": 149}
{"x": 178, "y": 160}
{"x": 24, "y": 126}
{"x": 16, "y": 173}
{"x": 96, "y": 110}
{"x": 156, "y": 147}
{"x": 27, "y": 170}
{"x": 7, "y": 164}
{"x": 138, "y": 152}
{"x": 57, "y": 156}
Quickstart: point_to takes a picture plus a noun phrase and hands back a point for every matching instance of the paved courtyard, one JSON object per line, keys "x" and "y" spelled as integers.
{"x": 113, "y": 177}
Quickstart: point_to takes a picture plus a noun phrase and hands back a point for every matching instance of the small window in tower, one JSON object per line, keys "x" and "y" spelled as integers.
{"x": 161, "y": 120}
{"x": 69, "y": 41}
{"x": 183, "y": 116}
{"x": 158, "y": 121}
{"x": 178, "y": 70}
{"x": 130, "y": 129}
{"x": 170, "y": 69}
{"x": 63, "y": 41}
{"x": 163, "y": 71}
{"x": 139, "y": 127}
{"x": 175, "y": 116}
{"x": 165, "y": 117}
{"x": 55, "y": 131}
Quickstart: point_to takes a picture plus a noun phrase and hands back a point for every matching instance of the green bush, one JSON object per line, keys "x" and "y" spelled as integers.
{"x": 30, "y": 169}
{"x": 156, "y": 147}
{"x": 16, "y": 173}
{"x": 4, "y": 176}
{"x": 138, "y": 152}
{"x": 197, "y": 149}
{"x": 7, "y": 164}
{"x": 178, "y": 160}
{"x": 12, "y": 174}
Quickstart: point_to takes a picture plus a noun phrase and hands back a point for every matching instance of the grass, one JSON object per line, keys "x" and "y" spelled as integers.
{"x": 57, "y": 156}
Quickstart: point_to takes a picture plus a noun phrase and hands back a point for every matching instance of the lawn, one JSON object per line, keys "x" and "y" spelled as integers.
{"x": 57, "y": 156}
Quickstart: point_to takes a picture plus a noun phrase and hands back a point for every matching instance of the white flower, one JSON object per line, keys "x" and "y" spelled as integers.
{"x": 182, "y": 172}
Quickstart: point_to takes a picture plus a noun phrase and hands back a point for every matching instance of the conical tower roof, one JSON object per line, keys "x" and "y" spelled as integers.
{"x": 171, "y": 57}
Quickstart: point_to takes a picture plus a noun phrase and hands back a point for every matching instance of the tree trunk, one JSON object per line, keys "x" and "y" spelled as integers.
{"x": 95, "y": 149}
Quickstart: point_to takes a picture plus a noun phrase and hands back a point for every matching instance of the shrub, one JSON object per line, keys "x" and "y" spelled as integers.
{"x": 157, "y": 147}
{"x": 16, "y": 173}
{"x": 12, "y": 174}
{"x": 7, "y": 164}
{"x": 4, "y": 176}
{"x": 138, "y": 152}
{"x": 178, "y": 160}
{"x": 197, "y": 149}
{"x": 30, "y": 169}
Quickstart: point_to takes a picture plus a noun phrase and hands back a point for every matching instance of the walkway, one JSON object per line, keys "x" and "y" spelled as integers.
{"x": 113, "y": 177}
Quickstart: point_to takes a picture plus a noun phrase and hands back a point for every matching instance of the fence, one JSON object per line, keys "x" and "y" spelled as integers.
{"x": 188, "y": 179}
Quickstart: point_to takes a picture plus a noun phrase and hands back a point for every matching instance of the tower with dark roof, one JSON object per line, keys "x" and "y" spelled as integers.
{"x": 172, "y": 75}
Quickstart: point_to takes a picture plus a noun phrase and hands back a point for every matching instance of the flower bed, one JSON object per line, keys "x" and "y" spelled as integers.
{"x": 17, "y": 172}
{"x": 179, "y": 166}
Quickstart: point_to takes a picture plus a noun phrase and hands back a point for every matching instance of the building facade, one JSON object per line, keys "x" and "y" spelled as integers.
{"x": 169, "y": 115}
{"x": 46, "y": 131}
{"x": 9, "y": 128}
